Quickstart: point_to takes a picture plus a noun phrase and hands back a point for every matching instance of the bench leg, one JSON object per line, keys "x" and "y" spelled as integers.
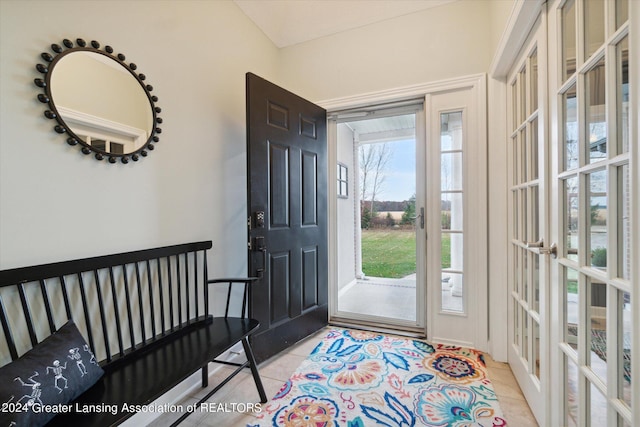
{"x": 205, "y": 376}
{"x": 254, "y": 369}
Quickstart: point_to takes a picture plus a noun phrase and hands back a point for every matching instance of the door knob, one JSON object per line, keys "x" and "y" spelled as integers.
{"x": 542, "y": 250}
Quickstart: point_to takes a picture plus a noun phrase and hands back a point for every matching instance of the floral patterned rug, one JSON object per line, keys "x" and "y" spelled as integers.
{"x": 359, "y": 379}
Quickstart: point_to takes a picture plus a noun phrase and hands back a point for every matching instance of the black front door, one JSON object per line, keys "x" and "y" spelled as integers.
{"x": 287, "y": 190}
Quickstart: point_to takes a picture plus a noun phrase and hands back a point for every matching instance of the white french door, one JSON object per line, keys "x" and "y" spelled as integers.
{"x": 530, "y": 251}
{"x": 593, "y": 335}
{"x": 572, "y": 153}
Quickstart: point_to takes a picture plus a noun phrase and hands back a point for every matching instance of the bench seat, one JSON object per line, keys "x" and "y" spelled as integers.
{"x": 147, "y": 376}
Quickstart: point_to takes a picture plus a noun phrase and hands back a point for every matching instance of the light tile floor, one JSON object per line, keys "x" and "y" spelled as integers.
{"x": 277, "y": 370}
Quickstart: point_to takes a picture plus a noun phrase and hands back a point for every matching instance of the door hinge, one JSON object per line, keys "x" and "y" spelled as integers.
{"x": 249, "y": 224}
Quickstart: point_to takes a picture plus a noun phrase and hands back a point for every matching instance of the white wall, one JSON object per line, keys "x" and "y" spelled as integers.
{"x": 57, "y": 204}
{"x": 439, "y": 43}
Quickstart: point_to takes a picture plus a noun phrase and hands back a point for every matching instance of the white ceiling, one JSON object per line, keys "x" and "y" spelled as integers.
{"x": 289, "y": 22}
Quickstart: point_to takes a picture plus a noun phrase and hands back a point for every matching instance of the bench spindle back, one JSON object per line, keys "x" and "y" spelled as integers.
{"x": 119, "y": 302}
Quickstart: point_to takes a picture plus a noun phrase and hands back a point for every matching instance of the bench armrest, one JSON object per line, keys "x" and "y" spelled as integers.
{"x": 230, "y": 281}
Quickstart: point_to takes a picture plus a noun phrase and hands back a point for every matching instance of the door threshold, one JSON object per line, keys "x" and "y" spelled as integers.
{"x": 412, "y": 332}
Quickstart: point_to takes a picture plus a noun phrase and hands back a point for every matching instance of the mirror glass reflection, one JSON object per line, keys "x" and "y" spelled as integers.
{"x": 101, "y": 102}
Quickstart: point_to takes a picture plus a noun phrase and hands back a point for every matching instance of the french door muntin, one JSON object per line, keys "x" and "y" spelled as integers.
{"x": 593, "y": 331}
{"x": 530, "y": 245}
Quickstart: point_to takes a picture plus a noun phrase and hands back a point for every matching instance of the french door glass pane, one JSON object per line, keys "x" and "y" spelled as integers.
{"x": 596, "y": 123}
{"x": 516, "y": 329}
{"x": 572, "y": 217}
{"x": 516, "y": 214}
{"x": 524, "y": 156}
{"x": 569, "y": 39}
{"x": 535, "y": 217}
{"x": 525, "y": 275}
{"x": 571, "y": 307}
{"x": 570, "y": 129}
{"x": 536, "y": 349}
{"x": 514, "y": 105}
{"x": 622, "y": 12}
{"x": 624, "y": 347}
{"x": 525, "y": 219}
{"x": 622, "y": 82}
{"x": 534, "y": 81}
{"x": 533, "y": 154}
{"x": 536, "y": 282}
{"x": 624, "y": 223}
{"x": 597, "y": 186}
{"x": 593, "y": 25}
{"x": 522, "y": 79}
{"x": 525, "y": 334}
{"x": 598, "y": 407}
{"x": 571, "y": 393}
{"x": 597, "y": 322}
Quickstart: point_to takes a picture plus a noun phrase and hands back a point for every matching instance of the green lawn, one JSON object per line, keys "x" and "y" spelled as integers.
{"x": 392, "y": 253}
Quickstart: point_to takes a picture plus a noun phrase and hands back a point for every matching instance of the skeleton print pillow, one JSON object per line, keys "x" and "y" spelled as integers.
{"x": 45, "y": 379}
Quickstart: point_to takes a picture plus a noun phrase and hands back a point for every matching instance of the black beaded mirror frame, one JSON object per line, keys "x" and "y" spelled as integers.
{"x": 61, "y": 128}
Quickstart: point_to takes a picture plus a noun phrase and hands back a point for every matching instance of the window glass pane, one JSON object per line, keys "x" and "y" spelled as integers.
{"x": 451, "y": 131}
{"x": 597, "y": 323}
{"x": 451, "y": 211}
{"x": 598, "y": 407}
{"x": 570, "y": 129}
{"x": 569, "y": 39}
{"x": 622, "y": 12}
{"x": 452, "y": 251}
{"x": 516, "y": 270}
{"x": 596, "y": 122}
{"x": 571, "y": 307}
{"x": 597, "y": 187}
{"x": 624, "y": 347}
{"x": 622, "y": 82}
{"x": 571, "y": 393}
{"x": 572, "y": 217}
{"x": 594, "y": 26}
{"x": 624, "y": 223}
{"x": 452, "y": 292}
{"x": 533, "y": 153}
{"x": 451, "y": 171}
{"x": 534, "y": 81}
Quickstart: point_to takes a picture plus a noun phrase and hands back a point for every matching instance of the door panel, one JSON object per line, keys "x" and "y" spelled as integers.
{"x": 529, "y": 232}
{"x": 287, "y": 191}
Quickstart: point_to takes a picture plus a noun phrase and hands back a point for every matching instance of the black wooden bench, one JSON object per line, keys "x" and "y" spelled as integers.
{"x": 146, "y": 316}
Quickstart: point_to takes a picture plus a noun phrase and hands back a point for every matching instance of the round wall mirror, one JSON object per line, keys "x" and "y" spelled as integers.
{"x": 99, "y": 101}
